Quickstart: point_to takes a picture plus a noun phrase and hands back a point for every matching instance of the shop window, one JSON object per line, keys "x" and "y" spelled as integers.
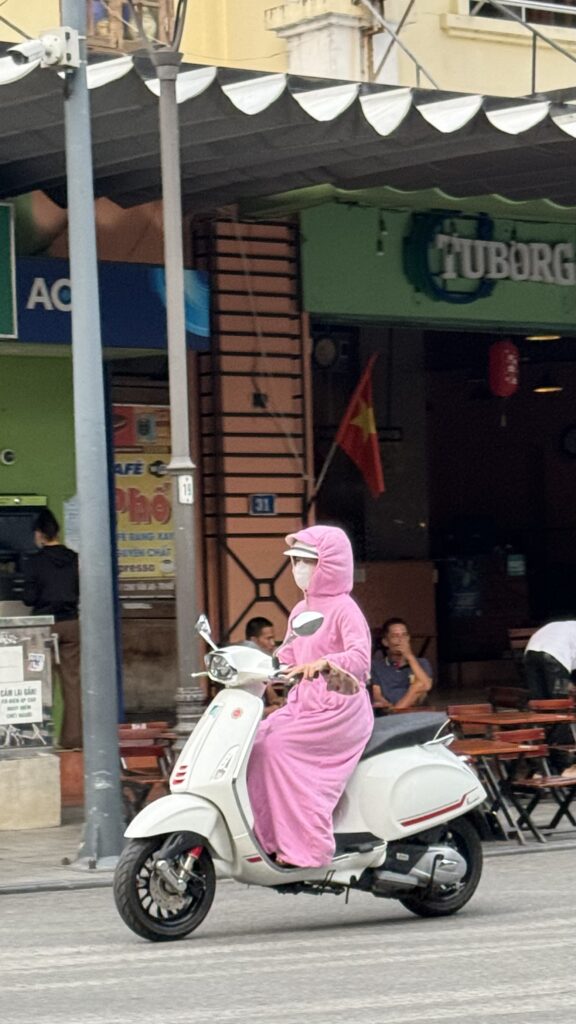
{"x": 540, "y": 12}
{"x": 112, "y": 24}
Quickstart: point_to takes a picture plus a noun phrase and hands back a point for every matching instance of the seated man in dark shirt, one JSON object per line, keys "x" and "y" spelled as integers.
{"x": 399, "y": 679}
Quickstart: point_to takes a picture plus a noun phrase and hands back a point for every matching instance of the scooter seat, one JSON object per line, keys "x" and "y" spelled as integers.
{"x": 406, "y": 730}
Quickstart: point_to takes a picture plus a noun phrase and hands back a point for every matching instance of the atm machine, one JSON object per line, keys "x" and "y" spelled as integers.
{"x": 17, "y": 515}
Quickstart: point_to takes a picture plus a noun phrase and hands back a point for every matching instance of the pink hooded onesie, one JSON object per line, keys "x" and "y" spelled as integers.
{"x": 306, "y": 751}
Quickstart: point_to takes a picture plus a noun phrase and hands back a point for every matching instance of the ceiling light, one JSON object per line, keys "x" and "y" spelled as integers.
{"x": 547, "y": 386}
{"x": 543, "y": 337}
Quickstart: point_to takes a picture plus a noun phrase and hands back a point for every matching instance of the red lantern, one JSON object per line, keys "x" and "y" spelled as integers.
{"x": 503, "y": 368}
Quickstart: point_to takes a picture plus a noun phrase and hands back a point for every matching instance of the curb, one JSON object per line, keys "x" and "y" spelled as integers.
{"x": 70, "y": 885}
{"x": 562, "y": 844}
{"x": 20, "y": 888}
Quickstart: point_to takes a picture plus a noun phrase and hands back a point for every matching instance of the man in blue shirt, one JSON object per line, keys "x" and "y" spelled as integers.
{"x": 399, "y": 679}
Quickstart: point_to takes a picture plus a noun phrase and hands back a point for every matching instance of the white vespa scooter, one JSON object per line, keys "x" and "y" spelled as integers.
{"x": 402, "y": 827}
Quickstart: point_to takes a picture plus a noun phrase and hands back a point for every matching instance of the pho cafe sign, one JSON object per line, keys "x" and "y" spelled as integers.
{"x": 462, "y": 259}
{"x": 438, "y": 267}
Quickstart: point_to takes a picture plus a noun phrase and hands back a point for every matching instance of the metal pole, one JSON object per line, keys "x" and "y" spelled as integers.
{"x": 386, "y": 25}
{"x": 392, "y": 42}
{"x": 189, "y": 697}
{"x": 103, "y": 809}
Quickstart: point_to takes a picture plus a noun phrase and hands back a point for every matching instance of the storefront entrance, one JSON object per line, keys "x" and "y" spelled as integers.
{"x": 479, "y": 488}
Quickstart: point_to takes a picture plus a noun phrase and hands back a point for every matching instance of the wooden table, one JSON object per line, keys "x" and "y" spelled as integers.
{"x": 514, "y": 719}
{"x": 486, "y": 754}
{"x": 498, "y": 781}
{"x": 487, "y": 748}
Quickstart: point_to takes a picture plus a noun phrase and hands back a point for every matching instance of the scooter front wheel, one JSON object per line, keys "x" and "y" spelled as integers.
{"x": 442, "y": 900}
{"x": 146, "y": 901}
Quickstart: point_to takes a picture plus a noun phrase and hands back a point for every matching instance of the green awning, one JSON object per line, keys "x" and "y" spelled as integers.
{"x": 284, "y": 203}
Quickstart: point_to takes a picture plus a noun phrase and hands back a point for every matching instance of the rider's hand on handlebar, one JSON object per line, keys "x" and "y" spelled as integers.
{"x": 309, "y": 670}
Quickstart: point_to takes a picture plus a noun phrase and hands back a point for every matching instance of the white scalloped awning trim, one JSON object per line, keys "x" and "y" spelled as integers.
{"x": 189, "y": 84}
{"x": 450, "y": 115}
{"x": 253, "y": 96}
{"x": 385, "y": 111}
{"x": 327, "y": 103}
{"x": 514, "y": 120}
{"x": 108, "y": 71}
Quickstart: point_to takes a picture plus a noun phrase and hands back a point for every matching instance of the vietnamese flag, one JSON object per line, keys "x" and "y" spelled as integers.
{"x": 357, "y": 434}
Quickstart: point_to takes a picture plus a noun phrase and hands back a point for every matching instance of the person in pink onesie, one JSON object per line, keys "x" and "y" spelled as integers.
{"x": 304, "y": 753}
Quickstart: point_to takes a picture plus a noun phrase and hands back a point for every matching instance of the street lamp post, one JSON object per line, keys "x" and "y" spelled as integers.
{"x": 189, "y": 697}
{"x": 103, "y": 809}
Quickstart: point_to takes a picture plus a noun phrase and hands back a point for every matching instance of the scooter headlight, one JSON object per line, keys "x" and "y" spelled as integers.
{"x": 222, "y": 670}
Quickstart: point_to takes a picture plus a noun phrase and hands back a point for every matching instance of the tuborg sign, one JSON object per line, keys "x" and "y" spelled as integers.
{"x": 443, "y": 250}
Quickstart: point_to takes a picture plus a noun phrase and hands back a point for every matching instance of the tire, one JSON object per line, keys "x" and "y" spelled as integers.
{"x": 445, "y": 900}
{"x": 148, "y": 905}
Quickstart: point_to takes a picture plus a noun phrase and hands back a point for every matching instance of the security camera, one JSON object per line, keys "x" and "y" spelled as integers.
{"x": 28, "y": 52}
{"x": 7, "y": 457}
{"x": 56, "y": 48}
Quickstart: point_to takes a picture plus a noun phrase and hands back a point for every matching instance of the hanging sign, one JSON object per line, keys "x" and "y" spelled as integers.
{"x": 143, "y": 493}
{"x": 457, "y": 259}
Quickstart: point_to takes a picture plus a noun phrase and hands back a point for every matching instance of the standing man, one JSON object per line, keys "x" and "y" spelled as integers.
{"x": 399, "y": 679}
{"x": 550, "y": 659}
{"x": 51, "y": 588}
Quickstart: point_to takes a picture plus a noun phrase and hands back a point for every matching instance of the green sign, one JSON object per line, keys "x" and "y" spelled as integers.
{"x": 8, "y": 322}
{"x": 438, "y": 267}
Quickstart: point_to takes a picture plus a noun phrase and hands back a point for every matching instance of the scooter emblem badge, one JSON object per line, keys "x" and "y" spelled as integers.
{"x": 237, "y": 712}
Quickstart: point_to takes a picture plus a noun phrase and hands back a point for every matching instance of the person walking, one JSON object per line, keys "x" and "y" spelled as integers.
{"x": 51, "y": 587}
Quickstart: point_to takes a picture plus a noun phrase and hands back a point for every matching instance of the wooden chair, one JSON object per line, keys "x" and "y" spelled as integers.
{"x": 518, "y": 637}
{"x": 561, "y": 737}
{"x": 527, "y": 793}
{"x": 464, "y": 728}
{"x": 145, "y": 763}
{"x": 562, "y": 704}
{"x": 502, "y": 697}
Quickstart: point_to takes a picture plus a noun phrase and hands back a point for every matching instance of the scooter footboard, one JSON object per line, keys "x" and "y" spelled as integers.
{"x": 182, "y": 812}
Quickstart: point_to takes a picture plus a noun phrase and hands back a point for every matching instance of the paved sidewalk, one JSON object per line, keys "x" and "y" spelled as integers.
{"x": 37, "y": 860}
{"x": 43, "y": 860}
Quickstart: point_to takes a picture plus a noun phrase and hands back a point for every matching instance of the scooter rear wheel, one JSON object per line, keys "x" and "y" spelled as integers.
{"x": 148, "y": 905}
{"x": 448, "y": 899}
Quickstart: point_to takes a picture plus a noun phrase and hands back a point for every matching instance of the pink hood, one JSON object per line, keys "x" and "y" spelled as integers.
{"x": 334, "y": 573}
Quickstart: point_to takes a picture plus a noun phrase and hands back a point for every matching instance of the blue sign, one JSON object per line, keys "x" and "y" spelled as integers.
{"x": 132, "y": 304}
{"x": 262, "y": 504}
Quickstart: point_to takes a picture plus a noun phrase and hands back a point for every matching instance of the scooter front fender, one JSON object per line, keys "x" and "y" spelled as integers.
{"x": 183, "y": 812}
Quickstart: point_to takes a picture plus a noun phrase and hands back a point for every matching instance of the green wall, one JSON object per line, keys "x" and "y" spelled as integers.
{"x": 352, "y": 266}
{"x": 36, "y": 421}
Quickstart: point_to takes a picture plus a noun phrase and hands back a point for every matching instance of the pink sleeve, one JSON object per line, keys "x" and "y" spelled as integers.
{"x": 354, "y": 655}
{"x": 285, "y": 652}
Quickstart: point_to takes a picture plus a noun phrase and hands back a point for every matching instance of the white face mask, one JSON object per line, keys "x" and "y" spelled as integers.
{"x": 303, "y": 573}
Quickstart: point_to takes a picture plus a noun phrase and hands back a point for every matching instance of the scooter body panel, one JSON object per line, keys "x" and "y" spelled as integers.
{"x": 183, "y": 812}
{"x": 402, "y": 792}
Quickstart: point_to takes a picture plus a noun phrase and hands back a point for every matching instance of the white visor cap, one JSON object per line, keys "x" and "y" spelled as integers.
{"x": 301, "y": 550}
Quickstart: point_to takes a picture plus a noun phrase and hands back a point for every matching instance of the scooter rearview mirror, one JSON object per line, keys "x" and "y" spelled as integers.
{"x": 202, "y": 627}
{"x": 304, "y": 624}
{"x": 307, "y": 623}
